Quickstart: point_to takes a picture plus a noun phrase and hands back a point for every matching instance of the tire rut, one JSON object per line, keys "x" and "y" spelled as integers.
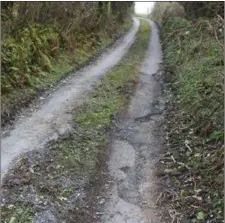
{"x": 137, "y": 143}
{"x": 53, "y": 116}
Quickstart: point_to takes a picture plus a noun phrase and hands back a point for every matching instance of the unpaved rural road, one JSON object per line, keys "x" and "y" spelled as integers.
{"x": 54, "y": 116}
{"x": 137, "y": 139}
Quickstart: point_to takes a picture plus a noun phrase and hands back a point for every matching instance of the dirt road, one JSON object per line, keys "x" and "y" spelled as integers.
{"x": 52, "y": 117}
{"x": 135, "y": 146}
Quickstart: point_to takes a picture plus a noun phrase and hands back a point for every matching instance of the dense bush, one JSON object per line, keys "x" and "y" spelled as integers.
{"x": 34, "y": 33}
{"x": 194, "y": 10}
{"x": 162, "y": 11}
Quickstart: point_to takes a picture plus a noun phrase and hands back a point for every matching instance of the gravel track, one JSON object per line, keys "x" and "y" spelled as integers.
{"x": 52, "y": 117}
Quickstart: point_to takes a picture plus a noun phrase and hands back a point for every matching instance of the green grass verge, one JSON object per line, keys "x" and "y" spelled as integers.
{"x": 57, "y": 173}
{"x": 194, "y": 59}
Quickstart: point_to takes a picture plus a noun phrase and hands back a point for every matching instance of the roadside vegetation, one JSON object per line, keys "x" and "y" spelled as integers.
{"x": 42, "y": 42}
{"x": 46, "y": 184}
{"x": 192, "y": 35}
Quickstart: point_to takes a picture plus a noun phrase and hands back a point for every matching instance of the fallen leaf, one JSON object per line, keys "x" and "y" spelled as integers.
{"x": 201, "y": 215}
{"x": 62, "y": 198}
